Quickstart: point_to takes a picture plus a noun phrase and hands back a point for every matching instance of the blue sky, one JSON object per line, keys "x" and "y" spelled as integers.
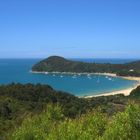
{"x": 70, "y": 28}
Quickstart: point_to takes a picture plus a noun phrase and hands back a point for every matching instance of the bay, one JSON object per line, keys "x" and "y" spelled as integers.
{"x": 18, "y": 71}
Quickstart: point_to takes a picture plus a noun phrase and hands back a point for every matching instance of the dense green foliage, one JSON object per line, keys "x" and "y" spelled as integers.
{"x": 60, "y": 64}
{"x": 18, "y": 102}
{"x": 135, "y": 94}
{"x": 51, "y": 125}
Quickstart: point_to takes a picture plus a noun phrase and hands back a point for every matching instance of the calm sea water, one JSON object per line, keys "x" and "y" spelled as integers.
{"x": 17, "y": 70}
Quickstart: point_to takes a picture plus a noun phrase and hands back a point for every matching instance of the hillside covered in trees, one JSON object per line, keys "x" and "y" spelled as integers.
{"x": 60, "y": 64}
{"x": 40, "y": 110}
{"x": 95, "y": 125}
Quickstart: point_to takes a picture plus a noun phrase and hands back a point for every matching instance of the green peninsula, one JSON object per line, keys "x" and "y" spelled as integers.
{"x": 60, "y": 64}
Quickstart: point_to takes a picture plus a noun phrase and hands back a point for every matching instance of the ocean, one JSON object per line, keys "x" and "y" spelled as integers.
{"x": 18, "y": 71}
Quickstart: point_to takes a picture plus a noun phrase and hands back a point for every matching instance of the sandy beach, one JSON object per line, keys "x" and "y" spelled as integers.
{"x": 125, "y": 92}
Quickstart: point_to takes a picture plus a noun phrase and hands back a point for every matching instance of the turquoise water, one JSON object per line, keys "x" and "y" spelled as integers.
{"x": 17, "y": 70}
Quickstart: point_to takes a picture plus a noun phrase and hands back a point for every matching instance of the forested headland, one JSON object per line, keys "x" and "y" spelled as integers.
{"x": 60, "y": 64}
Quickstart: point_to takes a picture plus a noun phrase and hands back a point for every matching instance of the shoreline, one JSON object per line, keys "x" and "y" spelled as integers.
{"x": 87, "y": 73}
{"x": 125, "y": 92}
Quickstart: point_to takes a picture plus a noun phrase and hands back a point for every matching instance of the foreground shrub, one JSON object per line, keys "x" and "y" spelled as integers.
{"x": 51, "y": 125}
{"x": 124, "y": 125}
{"x": 87, "y": 127}
{"x": 38, "y": 127}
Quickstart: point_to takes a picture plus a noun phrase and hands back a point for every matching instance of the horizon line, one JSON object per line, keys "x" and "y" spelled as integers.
{"x": 66, "y": 58}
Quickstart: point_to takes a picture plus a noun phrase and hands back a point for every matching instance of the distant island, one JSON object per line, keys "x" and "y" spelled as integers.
{"x": 60, "y": 64}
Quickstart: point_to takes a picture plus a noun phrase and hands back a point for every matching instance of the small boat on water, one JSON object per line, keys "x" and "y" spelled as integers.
{"x": 74, "y": 76}
{"x": 89, "y": 77}
{"x": 98, "y": 80}
{"x": 46, "y": 73}
{"x": 109, "y": 79}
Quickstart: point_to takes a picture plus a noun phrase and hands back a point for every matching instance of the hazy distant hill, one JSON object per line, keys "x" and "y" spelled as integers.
{"x": 60, "y": 64}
